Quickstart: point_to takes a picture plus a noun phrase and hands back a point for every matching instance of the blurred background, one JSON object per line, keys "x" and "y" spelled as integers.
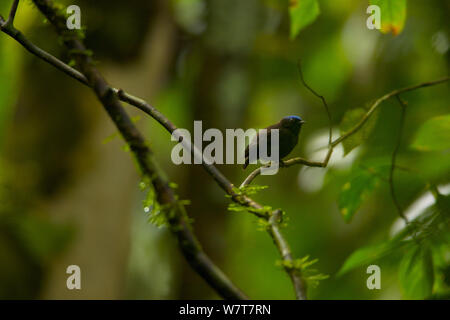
{"x": 69, "y": 189}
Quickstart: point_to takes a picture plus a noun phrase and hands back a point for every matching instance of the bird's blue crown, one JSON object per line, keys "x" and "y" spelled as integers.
{"x": 294, "y": 117}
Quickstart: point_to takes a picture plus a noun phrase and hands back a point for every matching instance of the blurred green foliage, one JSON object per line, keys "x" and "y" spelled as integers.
{"x": 233, "y": 64}
{"x": 433, "y": 135}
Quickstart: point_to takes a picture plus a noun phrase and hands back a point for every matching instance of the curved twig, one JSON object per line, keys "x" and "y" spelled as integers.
{"x": 358, "y": 126}
{"x": 286, "y": 164}
{"x": 382, "y": 99}
{"x": 394, "y": 158}
{"x": 324, "y": 101}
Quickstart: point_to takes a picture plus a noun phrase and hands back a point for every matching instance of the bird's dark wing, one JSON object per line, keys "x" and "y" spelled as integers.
{"x": 247, "y": 151}
{"x": 255, "y": 141}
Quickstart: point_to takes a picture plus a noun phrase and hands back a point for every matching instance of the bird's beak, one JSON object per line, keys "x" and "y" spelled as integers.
{"x": 302, "y": 121}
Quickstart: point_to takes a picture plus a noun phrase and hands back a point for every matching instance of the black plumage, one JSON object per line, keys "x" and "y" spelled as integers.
{"x": 289, "y": 130}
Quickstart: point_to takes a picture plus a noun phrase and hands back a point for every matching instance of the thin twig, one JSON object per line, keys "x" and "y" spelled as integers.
{"x": 382, "y": 99}
{"x": 349, "y": 133}
{"x": 324, "y": 101}
{"x": 293, "y": 161}
{"x": 394, "y": 158}
{"x": 12, "y": 13}
{"x": 286, "y": 164}
{"x": 38, "y": 52}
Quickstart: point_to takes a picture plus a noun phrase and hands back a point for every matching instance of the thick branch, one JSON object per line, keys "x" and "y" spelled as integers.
{"x": 126, "y": 97}
{"x": 108, "y": 96}
{"x": 283, "y": 247}
{"x": 165, "y": 195}
{"x": 222, "y": 181}
{"x": 274, "y": 231}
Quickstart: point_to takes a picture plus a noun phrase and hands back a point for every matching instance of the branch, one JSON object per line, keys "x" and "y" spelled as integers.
{"x": 10, "y": 30}
{"x": 90, "y": 76}
{"x": 286, "y": 164}
{"x": 327, "y": 109}
{"x": 283, "y": 247}
{"x": 356, "y": 128}
{"x": 8, "y": 25}
{"x": 195, "y": 256}
{"x": 382, "y": 99}
{"x": 126, "y": 97}
{"x": 221, "y": 180}
{"x": 394, "y": 157}
{"x": 273, "y": 230}
{"x": 12, "y": 13}
{"x": 108, "y": 95}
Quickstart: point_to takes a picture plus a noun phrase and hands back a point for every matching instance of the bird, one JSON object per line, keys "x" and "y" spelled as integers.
{"x": 289, "y": 130}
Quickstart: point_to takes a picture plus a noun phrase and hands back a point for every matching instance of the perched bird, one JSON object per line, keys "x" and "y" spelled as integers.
{"x": 289, "y": 129}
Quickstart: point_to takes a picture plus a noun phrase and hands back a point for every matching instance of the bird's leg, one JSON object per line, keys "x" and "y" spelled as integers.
{"x": 280, "y": 163}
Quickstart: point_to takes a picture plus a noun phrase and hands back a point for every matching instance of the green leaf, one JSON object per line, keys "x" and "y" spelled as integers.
{"x": 355, "y": 192}
{"x": 303, "y": 265}
{"x": 367, "y": 255}
{"x": 236, "y": 207}
{"x": 155, "y": 212}
{"x": 393, "y": 15}
{"x": 251, "y": 189}
{"x": 350, "y": 119}
{"x": 433, "y": 135}
{"x": 302, "y": 13}
{"x": 416, "y": 273}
